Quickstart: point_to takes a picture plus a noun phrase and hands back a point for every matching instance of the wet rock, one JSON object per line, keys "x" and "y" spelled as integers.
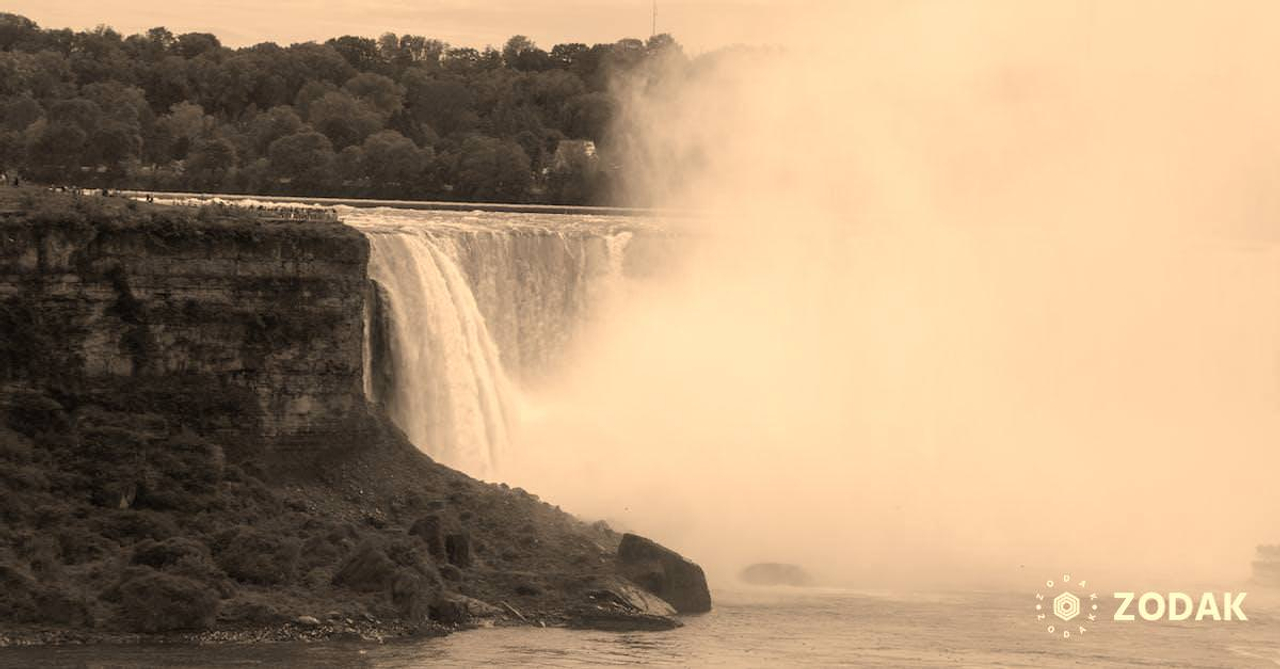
{"x": 609, "y": 620}
{"x": 450, "y": 611}
{"x": 622, "y": 607}
{"x": 622, "y": 594}
{"x": 664, "y": 573}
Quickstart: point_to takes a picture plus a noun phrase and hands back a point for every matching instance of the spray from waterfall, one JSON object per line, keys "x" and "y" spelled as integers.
{"x": 979, "y": 291}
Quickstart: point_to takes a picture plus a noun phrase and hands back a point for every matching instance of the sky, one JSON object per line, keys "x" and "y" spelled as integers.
{"x": 701, "y": 25}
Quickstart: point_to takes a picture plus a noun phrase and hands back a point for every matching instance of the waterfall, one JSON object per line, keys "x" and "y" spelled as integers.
{"x": 451, "y": 391}
{"x": 471, "y": 311}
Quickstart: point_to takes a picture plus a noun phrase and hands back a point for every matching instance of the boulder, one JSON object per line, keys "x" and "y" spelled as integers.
{"x": 622, "y": 607}
{"x": 412, "y": 594}
{"x": 775, "y": 573}
{"x": 450, "y": 610}
{"x": 610, "y": 620}
{"x": 664, "y": 573}
{"x": 367, "y": 569}
{"x": 622, "y": 593}
{"x": 476, "y": 608}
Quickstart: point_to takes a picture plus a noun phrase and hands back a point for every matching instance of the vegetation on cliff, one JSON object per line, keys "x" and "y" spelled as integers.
{"x": 399, "y": 116}
{"x": 118, "y": 522}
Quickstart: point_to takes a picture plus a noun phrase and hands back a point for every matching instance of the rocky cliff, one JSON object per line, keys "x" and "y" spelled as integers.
{"x": 258, "y": 312}
{"x": 185, "y": 449}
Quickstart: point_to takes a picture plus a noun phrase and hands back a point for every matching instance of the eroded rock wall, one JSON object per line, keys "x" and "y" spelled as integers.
{"x": 260, "y": 321}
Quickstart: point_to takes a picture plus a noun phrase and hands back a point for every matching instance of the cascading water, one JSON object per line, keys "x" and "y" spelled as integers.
{"x": 472, "y": 308}
{"x": 451, "y": 392}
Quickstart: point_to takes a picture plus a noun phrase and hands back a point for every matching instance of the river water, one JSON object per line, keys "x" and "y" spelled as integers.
{"x": 767, "y": 627}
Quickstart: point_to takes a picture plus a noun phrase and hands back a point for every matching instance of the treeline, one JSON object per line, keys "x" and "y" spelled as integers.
{"x": 401, "y": 116}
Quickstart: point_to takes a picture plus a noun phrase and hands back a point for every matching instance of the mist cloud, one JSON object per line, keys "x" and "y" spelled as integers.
{"x": 978, "y": 291}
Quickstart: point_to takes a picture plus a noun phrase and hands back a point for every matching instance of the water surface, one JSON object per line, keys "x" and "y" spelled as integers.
{"x": 764, "y": 627}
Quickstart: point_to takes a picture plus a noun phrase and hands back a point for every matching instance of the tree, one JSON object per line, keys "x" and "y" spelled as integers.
{"x": 84, "y": 114}
{"x": 590, "y": 116}
{"x": 304, "y": 158}
{"x": 406, "y": 50}
{"x": 99, "y": 55}
{"x": 113, "y": 143}
{"x": 18, "y": 112}
{"x": 185, "y": 123}
{"x": 193, "y": 45}
{"x": 461, "y": 59}
{"x": 521, "y": 53}
{"x": 210, "y": 161}
{"x": 444, "y": 104}
{"x": 12, "y": 149}
{"x": 166, "y": 83}
{"x": 491, "y": 169}
{"x": 319, "y": 62}
{"x": 568, "y": 55}
{"x": 361, "y": 52}
{"x": 350, "y": 166}
{"x": 55, "y": 149}
{"x": 201, "y": 115}
{"x": 380, "y": 93}
{"x": 17, "y": 32}
{"x": 271, "y": 125}
{"x": 392, "y": 162}
{"x": 343, "y": 119}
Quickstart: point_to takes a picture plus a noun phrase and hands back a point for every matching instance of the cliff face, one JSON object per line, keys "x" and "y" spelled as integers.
{"x": 185, "y": 450}
{"x": 261, "y": 318}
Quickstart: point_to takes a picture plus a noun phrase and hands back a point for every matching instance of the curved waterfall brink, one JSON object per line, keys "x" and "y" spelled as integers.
{"x": 469, "y": 309}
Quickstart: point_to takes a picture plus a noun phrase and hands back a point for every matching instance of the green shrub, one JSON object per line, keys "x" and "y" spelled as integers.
{"x": 161, "y": 554}
{"x": 129, "y": 526}
{"x": 158, "y": 602}
{"x": 182, "y": 472}
{"x": 253, "y": 556}
{"x": 367, "y": 569}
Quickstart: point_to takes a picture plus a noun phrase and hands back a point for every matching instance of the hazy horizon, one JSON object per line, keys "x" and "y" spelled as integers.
{"x": 699, "y": 25}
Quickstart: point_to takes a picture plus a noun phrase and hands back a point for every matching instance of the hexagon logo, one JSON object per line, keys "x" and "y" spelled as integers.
{"x": 1066, "y": 606}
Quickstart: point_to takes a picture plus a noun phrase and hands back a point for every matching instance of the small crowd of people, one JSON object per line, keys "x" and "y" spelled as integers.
{"x": 266, "y": 210}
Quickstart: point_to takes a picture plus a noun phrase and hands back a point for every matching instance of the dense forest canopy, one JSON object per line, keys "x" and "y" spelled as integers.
{"x": 401, "y": 116}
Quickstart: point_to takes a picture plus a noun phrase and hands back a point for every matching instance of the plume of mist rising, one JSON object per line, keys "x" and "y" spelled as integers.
{"x": 978, "y": 292}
